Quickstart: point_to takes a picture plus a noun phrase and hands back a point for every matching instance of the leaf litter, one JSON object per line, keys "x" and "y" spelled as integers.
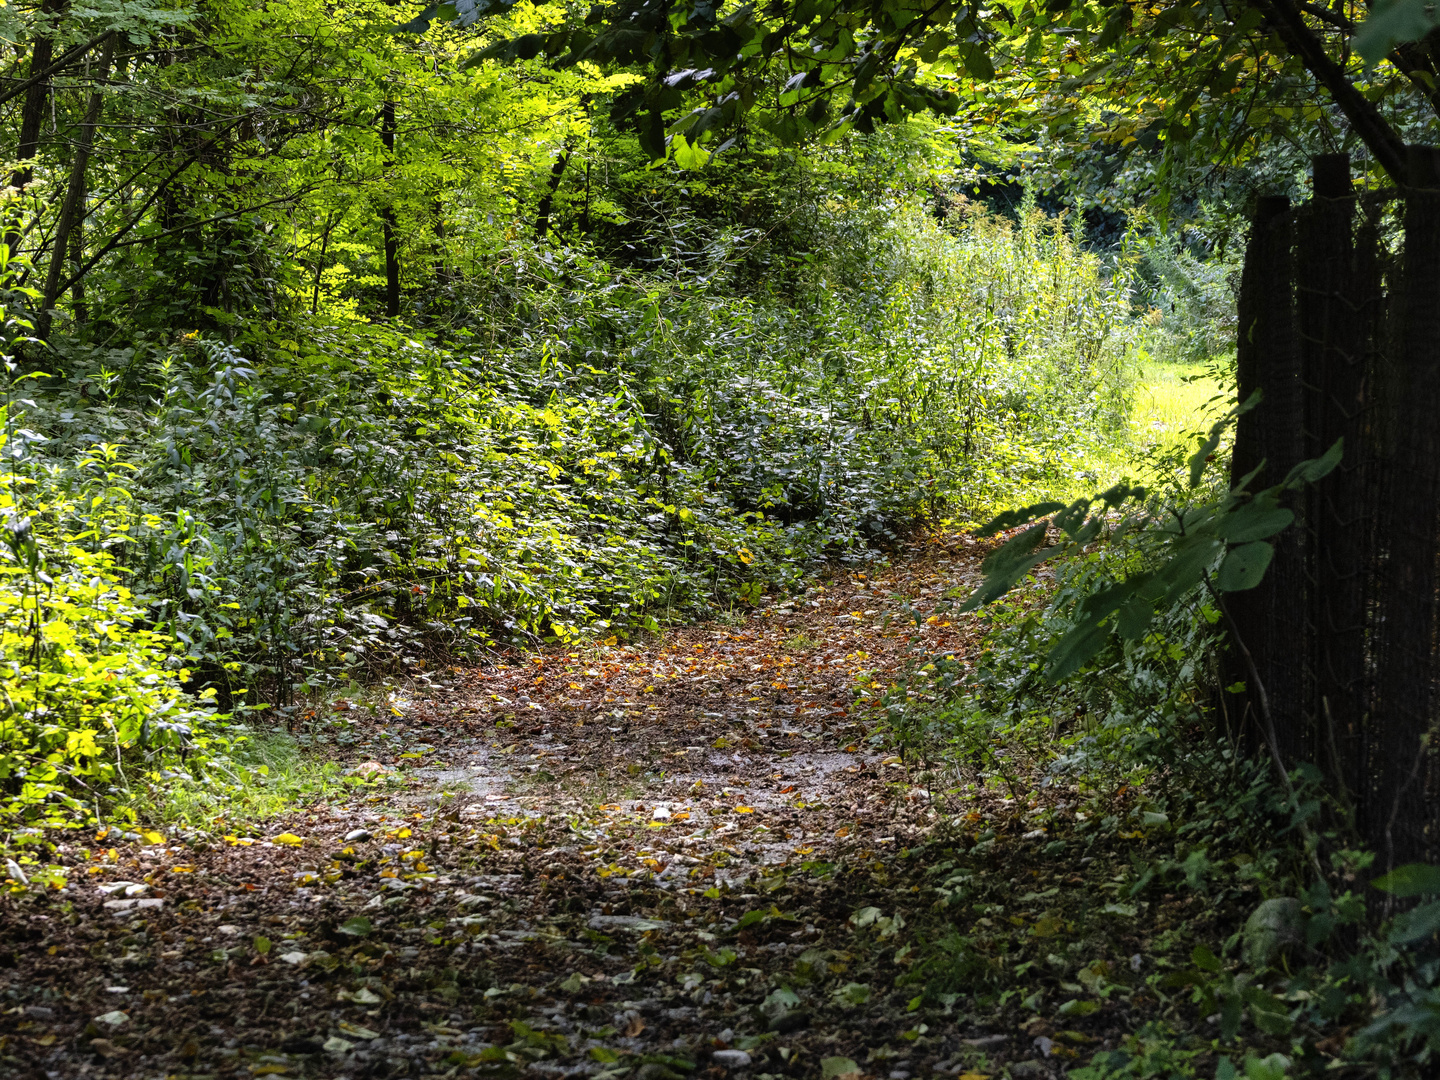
{"x": 699, "y": 855}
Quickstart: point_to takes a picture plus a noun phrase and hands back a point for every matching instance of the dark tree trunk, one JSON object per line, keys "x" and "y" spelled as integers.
{"x": 387, "y": 220}
{"x": 32, "y": 111}
{"x": 79, "y": 310}
{"x": 1335, "y": 307}
{"x": 72, "y": 211}
{"x": 547, "y": 201}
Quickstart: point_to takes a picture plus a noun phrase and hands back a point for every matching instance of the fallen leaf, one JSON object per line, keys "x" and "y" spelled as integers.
{"x": 363, "y": 996}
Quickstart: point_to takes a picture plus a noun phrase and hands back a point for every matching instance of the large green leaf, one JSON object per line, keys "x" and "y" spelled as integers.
{"x": 1416, "y": 925}
{"x": 1022, "y": 516}
{"x": 1244, "y": 566}
{"x": 1413, "y": 879}
{"x": 1253, "y": 521}
{"x": 1076, "y": 649}
{"x": 1308, "y": 472}
{"x": 1391, "y": 23}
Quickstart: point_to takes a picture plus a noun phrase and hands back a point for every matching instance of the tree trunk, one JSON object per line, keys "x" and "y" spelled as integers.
{"x": 72, "y": 212}
{"x": 387, "y": 219}
{"x": 1336, "y": 306}
{"x": 1271, "y": 618}
{"x": 547, "y": 201}
{"x": 32, "y": 112}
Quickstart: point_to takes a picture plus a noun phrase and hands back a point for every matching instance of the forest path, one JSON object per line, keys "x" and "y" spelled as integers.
{"x": 694, "y": 856}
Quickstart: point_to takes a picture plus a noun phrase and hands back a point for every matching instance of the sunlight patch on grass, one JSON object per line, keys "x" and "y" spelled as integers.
{"x": 1172, "y": 402}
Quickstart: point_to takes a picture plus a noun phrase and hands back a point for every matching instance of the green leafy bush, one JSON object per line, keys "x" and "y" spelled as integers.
{"x": 599, "y": 451}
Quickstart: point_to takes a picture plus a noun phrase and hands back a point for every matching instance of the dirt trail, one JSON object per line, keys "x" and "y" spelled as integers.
{"x": 695, "y": 856}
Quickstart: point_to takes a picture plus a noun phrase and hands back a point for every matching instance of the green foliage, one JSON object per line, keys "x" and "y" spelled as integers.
{"x": 598, "y": 451}
{"x": 1189, "y": 299}
{"x": 1317, "y": 977}
{"x": 1222, "y": 545}
{"x": 265, "y": 773}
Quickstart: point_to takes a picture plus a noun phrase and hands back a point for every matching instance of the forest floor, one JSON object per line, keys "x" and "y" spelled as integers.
{"x": 693, "y": 856}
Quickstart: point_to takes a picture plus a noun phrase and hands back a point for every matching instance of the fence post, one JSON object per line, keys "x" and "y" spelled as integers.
{"x": 1334, "y": 314}
{"x": 1271, "y": 619}
{"x": 1403, "y": 826}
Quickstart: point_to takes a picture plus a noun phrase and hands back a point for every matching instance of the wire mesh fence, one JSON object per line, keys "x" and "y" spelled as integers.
{"x": 1339, "y": 328}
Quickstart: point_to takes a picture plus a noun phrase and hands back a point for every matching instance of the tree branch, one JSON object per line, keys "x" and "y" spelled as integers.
{"x": 65, "y": 61}
{"x": 1374, "y": 130}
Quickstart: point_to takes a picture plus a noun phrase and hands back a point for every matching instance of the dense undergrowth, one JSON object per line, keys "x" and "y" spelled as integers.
{"x": 202, "y": 528}
{"x": 1269, "y": 949}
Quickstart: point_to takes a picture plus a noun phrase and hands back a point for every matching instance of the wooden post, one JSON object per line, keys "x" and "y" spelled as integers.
{"x": 1404, "y": 826}
{"x": 1334, "y": 316}
{"x": 1272, "y": 618}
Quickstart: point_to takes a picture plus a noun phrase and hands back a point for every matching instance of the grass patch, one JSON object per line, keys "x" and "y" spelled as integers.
{"x": 1173, "y": 400}
{"x": 269, "y": 774}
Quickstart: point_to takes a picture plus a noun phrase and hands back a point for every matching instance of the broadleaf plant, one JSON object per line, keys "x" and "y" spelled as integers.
{"x": 1222, "y": 544}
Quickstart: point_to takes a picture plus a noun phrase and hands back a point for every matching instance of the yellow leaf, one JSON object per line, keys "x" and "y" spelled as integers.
{"x": 744, "y": 809}
{"x": 289, "y": 839}
{"x": 153, "y": 838}
{"x": 973, "y": 1076}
